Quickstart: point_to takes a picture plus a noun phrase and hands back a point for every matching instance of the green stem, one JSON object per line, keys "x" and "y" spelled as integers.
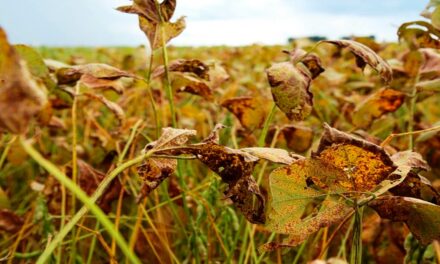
{"x": 89, "y": 202}
{"x": 150, "y": 94}
{"x": 356, "y": 246}
{"x": 267, "y": 122}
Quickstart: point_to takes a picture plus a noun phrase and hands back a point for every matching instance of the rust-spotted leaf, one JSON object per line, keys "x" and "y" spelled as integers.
{"x": 249, "y": 111}
{"x": 383, "y": 101}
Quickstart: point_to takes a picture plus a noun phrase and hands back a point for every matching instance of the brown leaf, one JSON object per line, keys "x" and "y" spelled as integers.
{"x": 298, "y": 138}
{"x": 9, "y": 221}
{"x": 189, "y": 84}
{"x": 417, "y": 186}
{"x": 154, "y": 34}
{"x": 117, "y": 85}
{"x": 185, "y": 66}
{"x": 147, "y": 9}
{"x": 235, "y": 168}
{"x": 365, "y": 55}
{"x": 421, "y": 217}
{"x": 217, "y": 75}
{"x": 18, "y": 91}
{"x": 155, "y": 170}
{"x": 379, "y": 103}
{"x": 248, "y": 110}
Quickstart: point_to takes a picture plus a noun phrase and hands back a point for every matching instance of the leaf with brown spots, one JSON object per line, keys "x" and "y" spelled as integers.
{"x": 364, "y": 55}
{"x": 249, "y": 111}
{"x": 365, "y": 164}
{"x": 190, "y": 84}
{"x": 194, "y": 66}
{"x": 290, "y": 83}
{"x": 150, "y": 21}
{"x": 298, "y": 138}
{"x": 155, "y": 170}
{"x": 374, "y": 106}
{"x": 91, "y": 74}
{"x": 9, "y": 221}
{"x": 18, "y": 90}
{"x": 293, "y": 191}
{"x": 235, "y": 168}
{"x": 421, "y": 217}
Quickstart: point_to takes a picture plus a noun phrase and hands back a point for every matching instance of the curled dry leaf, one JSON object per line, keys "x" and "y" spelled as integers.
{"x": 18, "y": 90}
{"x": 381, "y": 102}
{"x": 9, "y": 221}
{"x": 419, "y": 34}
{"x": 155, "y": 170}
{"x": 421, "y": 217}
{"x": 190, "y": 84}
{"x": 217, "y": 75}
{"x": 194, "y": 66}
{"x": 365, "y": 55}
{"x": 96, "y": 75}
{"x": 112, "y": 106}
{"x": 249, "y": 111}
{"x": 290, "y": 83}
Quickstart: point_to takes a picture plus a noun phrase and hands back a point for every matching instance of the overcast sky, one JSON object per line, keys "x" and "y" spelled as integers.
{"x": 209, "y": 22}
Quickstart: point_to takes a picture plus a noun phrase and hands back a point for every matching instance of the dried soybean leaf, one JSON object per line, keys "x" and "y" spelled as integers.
{"x": 417, "y": 186}
{"x": 197, "y": 67}
{"x": 147, "y": 9}
{"x": 291, "y": 89}
{"x": 217, "y": 75}
{"x": 155, "y": 170}
{"x": 365, "y": 55}
{"x": 189, "y": 84}
{"x": 154, "y": 34}
{"x": 421, "y": 217}
{"x": 18, "y": 91}
{"x": 97, "y": 70}
{"x": 118, "y": 85}
{"x": 235, "y": 168}
{"x": 379, "y": 103}
{"x": 112, "y": 106}
{"x": 271, "y": 154}
{"x": 248, "y": 110}
{"x": 428, "y": 37}
{"x": 298, "y": 138}
{"x": 9, "y": 221}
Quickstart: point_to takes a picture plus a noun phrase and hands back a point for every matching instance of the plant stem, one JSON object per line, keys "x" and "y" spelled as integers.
{"x": 74, "y": 166}
{"x": 262, "y": 138}
{"x": 89, "y": 202}
{"x": 150, "y": 94}
{"x": 356, "y": 246}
